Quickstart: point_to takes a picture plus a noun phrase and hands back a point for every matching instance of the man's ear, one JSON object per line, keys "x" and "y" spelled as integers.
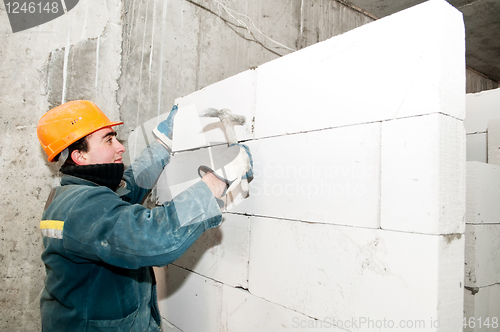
{"x": 78, "y": 158}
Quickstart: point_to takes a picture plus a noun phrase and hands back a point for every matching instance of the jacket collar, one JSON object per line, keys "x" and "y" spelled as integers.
{"x": 67, "y": 180}
{"x": 108, "y": 175}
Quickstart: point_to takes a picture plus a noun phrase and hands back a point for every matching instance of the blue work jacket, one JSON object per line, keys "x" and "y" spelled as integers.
{"x": 100, "y": 247}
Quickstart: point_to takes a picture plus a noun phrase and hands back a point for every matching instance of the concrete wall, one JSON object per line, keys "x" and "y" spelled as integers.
{"x": 356, "y": 213}
{"x": 74, "y": 56}
{"x": 476, "y": 82}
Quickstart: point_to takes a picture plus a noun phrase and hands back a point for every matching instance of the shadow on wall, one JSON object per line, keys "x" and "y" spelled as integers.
{"x": 209, "y": 240}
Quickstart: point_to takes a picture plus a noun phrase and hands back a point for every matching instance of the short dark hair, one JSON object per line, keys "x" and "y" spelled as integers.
{"x": 80, "y": 145}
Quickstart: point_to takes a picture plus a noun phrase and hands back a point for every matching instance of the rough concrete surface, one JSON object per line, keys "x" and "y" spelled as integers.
{"x": 35, "y": 72}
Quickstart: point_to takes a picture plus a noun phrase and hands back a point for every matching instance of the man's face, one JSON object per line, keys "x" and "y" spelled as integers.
{"x": 104, "y": 148}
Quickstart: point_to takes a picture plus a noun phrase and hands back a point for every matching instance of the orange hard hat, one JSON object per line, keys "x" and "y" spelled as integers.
{"x": 62, "y": 126}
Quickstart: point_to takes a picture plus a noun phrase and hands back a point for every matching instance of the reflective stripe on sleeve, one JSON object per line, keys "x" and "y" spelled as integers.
{"x": 52, "y": 228}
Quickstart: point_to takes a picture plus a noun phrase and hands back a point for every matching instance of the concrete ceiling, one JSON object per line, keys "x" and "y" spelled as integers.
{"x": 482, "y": 28}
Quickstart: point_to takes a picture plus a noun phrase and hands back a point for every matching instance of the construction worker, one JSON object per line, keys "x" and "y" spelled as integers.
{"x": 100, "y": 243}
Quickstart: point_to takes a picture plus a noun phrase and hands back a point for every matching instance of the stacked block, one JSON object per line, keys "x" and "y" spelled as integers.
{"x": 482, "y": 264}
{"x": 483, "y": 193}
{"x": 355, "y": 217}
{"x": 482, "y": 309}
{"x": 482, "y": 108}
{"x": 423, "y": 187}
{"x": 494, "y": 140}
{"x": 482, "y": 261}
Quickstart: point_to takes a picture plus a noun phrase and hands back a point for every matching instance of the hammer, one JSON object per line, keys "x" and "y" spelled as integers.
{"x": 227, "y": 118}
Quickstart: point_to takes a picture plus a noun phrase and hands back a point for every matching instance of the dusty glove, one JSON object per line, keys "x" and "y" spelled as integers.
{"x": 249, "y": 173}
{"x": 164, "y": 130}
{"x": 240, "y": 168}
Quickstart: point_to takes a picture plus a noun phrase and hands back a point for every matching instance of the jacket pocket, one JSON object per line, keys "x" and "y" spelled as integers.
{"x": 114, "y": 325}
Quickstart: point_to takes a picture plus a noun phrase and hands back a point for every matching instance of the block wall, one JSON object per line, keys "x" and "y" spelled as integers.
{"x": 482, "y": 262}
{"x": 481, "y": 108}
{"x": 355, "y": 217}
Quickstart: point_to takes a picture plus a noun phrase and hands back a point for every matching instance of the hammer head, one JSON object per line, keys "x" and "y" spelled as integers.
{"x": 224, "y": 115}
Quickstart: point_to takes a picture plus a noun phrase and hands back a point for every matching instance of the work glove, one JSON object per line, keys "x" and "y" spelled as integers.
{"x": 164, "y": 130}
{"x": 238, "y": 170}
{"x": 249, "y": 173}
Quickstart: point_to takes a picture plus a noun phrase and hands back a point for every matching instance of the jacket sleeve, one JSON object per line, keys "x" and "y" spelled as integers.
{"x": 144, "y": 171}
{"x": 102, "y": 227}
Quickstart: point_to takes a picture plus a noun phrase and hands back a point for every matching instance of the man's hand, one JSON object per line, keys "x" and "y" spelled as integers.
{"x": 216, "y": 185}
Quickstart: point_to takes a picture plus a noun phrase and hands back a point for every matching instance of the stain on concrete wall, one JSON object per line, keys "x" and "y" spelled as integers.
{"x": 52, "y": 77}
{"x": 324, "y": 19}
{"x": 71, "y": 76}
{"x": 476, "y": 82}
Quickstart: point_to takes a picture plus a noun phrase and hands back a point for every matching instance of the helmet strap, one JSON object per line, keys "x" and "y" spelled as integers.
{"x": 62, "y": 158}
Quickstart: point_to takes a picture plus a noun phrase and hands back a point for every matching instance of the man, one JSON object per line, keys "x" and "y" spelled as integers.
{"x": 100, "y": 243}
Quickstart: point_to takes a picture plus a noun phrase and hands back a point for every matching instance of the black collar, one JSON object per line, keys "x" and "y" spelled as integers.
{"x": 108, "y": 175}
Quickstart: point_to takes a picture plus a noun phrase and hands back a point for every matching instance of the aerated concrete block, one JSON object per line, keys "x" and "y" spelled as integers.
{"x": 244, "y": 312}
{"x": 481, "y": 107}
{"x": 237, "y": 94}
{"x": 483, "y": 193}
{"x": 222, "y": 253}
{"x": 356, "y": 273}
{"x": 423, "y": 175}
{"x": 482, "y": 255}
{"x": 191, "y": 302}
{"x": 494, "y": 141}
{"x": 477, "y": 147}
{"x": 234, "y": 309}
{"x": 408, "y": 65}
{"x": 329, "y": 176}
{"x": 482, "y": 309}
{"x": 166, "y": 326}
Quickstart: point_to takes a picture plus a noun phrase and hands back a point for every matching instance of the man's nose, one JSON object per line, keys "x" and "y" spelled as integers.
{"x": 120, "y": 148}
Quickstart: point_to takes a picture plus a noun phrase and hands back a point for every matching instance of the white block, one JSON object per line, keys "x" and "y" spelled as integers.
{"x": 243, "y": 312}
{"x": 494, "y": 141}
{"x": 222, "y": 253}
{"x": 191, "y": 302}
{"x": 482, "y": 255}
{"x": 166, "y": 326}
{"x": 481, "y": 107}
{"x": 483, "y": 193}
{"x": 329, "y": 176}
{"x": 187, "y": 131}
{"x": 423, "y": 175}
{"x": 348, "y": 273}
{"x": 482, "y": 309}
{"x": 236, "y": 93}
{"x": 477, "y": 146}
{"x": 410, "y": 63}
